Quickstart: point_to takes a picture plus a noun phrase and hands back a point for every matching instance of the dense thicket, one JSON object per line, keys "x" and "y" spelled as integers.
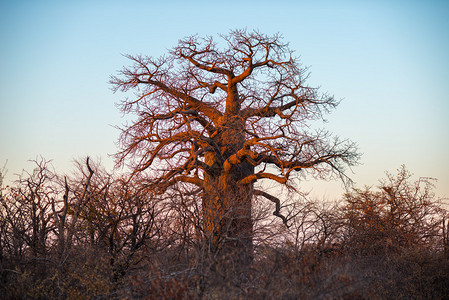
{"x": 100, "y": 235}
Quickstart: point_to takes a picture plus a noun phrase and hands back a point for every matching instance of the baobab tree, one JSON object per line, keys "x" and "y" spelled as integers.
{"x": 218, "y": 117}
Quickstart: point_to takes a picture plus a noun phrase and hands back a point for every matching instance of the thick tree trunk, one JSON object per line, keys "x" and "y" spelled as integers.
{"x": 227, "y": 204}
{"x": 227, "y": 217}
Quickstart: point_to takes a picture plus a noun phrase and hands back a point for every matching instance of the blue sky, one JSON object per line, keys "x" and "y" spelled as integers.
{"x": 387, "y": 61}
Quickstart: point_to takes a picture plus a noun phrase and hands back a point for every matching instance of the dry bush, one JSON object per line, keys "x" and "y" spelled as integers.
{"x": 400, "y": 215}
{"x": 123, "y": 242}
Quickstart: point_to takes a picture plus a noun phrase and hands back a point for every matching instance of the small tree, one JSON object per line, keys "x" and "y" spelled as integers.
{"x": 26, "y": 209}
{"x": 219, "y": 117}
{"x": 400, "y": 214}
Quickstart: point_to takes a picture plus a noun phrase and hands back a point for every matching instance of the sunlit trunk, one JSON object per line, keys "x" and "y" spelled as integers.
{"x": 227, "y": 204}
{"x": 227, "y": 216}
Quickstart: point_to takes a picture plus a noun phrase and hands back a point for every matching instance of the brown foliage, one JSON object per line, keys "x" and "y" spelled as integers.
{"x": 128, "y": 244}
{"x": 400, "y": 215}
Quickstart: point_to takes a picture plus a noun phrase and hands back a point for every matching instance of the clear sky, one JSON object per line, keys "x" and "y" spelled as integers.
{"x": 387, "y": 60}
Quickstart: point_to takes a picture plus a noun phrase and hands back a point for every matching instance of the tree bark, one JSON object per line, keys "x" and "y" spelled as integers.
{"x": 227, "y": 203}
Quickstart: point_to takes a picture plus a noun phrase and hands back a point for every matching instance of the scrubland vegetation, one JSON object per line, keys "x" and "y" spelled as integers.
{"x": 100, "y": 236}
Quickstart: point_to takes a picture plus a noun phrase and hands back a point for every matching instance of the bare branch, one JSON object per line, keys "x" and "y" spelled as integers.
{"x": 277, "y": 202}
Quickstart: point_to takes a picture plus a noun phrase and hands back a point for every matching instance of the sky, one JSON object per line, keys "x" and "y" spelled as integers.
{"x": 386, "y": 60}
